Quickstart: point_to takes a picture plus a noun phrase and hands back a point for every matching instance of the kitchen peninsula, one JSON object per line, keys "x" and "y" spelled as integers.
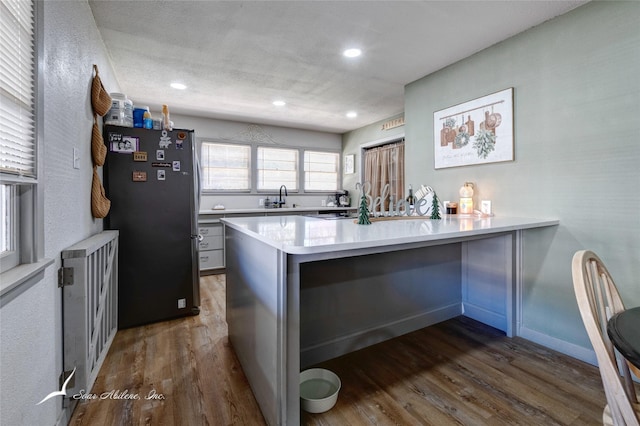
{"x": 301, "y": 290}
{"x": 211, "y": 247}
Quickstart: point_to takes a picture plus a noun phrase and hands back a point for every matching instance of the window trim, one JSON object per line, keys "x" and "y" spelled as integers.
{"x": 339, "y": 172}
{"x": 297, "y": 190}
{"x": 21, "y": 89}
{"x": 201, "y": 141}
{"x": 30, "y": 192}
{"x": 11, "y": 258}
{"x": 372, "y": 144}
{"x": 253, "y": 167}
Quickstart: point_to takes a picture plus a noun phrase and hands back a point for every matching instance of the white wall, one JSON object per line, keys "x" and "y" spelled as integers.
{"x": 576, "y": 109}
{"x": 30, "y": 324}
{"x": 214, "y": 129}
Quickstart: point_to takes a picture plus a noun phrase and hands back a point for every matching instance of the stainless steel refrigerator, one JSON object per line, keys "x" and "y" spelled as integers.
{"x": 151, "y": 179}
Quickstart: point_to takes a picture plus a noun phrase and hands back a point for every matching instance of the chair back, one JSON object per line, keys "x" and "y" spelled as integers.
{"x": 598, "y": 300}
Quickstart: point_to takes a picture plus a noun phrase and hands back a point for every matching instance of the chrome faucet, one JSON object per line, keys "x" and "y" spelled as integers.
{"x": 281, "y": 201}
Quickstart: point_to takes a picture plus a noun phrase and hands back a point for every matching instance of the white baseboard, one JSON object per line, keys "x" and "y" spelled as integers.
{"x": 485, "y": 316}
{"x": 578, "y": 352}
{"x": 363, "y": 338}
{"x": 571, "y": 349}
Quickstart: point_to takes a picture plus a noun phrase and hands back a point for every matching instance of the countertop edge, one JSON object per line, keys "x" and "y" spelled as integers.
{"x": 283, "y": 210}
{"x": 526, "y": 223}
{"x": 298, "y": 250}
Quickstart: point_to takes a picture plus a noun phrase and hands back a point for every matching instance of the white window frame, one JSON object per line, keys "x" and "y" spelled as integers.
{"x": 27, "y": 262}
{"x": 10, "y": 257}
{"x": 338, "y": 171}
{"x": 254, "y": 171}
{"x": 297, "y": 187}
{"x": 204, "y": 142}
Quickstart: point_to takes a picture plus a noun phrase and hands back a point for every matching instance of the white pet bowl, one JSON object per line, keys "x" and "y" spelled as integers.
{"x": 318, "y": 390}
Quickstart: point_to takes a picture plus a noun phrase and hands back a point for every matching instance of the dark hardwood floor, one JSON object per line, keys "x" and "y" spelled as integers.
{"x": 457, "y": 372}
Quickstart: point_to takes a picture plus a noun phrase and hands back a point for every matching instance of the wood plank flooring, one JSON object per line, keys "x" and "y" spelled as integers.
{"x": 459, "y": 372}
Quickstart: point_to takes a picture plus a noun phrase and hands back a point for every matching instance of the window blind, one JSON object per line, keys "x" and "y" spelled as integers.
{"x": 276, "y": 167}
{"x": 225, "y": 167}
{"x": 17, "y": 88}
{"x": 321, "y": 171}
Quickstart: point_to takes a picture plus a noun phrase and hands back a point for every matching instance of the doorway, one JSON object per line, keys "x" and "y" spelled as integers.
{"x": 384, "y": 165}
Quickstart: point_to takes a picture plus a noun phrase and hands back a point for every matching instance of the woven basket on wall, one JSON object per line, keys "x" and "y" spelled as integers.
{"x": 98, "y": 148}
{"x": 100, "y": 204}
{"x": 100, "y": 99}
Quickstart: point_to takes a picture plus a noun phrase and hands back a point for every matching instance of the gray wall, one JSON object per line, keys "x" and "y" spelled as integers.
{"x": 30, "y": 324}
{"x": 214, "y": 129}
{"x": 351, "y": 144}
{"x": 576, "y": 119}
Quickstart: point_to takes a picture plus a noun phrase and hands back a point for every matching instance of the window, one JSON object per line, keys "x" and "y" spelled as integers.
{"x": 225, "y": 167}
{"x": 321, "y": 171}
{"x": 247, "y": 167}
{"x": 8, "y": 212}
{"x": 277, "y": 167}
{"x": 18, "y": 124}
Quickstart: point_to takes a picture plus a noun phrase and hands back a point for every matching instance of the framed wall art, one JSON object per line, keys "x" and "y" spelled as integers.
{"x": 479, "y": 131}
{"x": 349, "y": 164}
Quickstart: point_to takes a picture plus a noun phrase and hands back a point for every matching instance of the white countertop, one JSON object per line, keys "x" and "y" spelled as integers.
{"x": 262, "y": 210}
{"x": 307, "y": 235}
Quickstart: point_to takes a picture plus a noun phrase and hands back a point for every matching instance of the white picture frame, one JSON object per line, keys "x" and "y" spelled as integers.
{"x": 479, "y": 131}
{"x": 349, "y": 164}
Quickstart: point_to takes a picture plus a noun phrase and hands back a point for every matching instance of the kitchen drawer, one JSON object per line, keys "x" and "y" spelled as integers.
{"x": 210, "y": 230}
{"x": 211, "y": 259}
{"x": 211, "y": 242}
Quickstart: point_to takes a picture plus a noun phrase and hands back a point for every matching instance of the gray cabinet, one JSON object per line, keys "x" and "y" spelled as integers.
{"x": 211, "y": 248}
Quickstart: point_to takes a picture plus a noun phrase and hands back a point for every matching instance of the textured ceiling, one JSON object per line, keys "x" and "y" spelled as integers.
{"x": 236, "y": 57}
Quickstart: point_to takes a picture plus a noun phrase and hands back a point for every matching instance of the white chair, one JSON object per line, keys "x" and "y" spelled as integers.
{"x": 598, "y": 300}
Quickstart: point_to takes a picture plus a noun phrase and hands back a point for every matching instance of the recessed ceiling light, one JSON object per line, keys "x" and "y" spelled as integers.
{"x": 279, "y": 103}
{"x": 178, "y": 86}
{"x": 352, "y": 114}
{"x": 352, "y": 53}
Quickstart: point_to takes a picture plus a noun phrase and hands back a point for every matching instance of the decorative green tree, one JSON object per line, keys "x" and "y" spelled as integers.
{"x": 435, "y": 209}
{"x": 363, "y": 212}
